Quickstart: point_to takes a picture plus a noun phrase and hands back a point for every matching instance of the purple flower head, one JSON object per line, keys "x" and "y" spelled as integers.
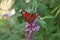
{"x": 5, "y": 16}
{"x": 31, "y": 28}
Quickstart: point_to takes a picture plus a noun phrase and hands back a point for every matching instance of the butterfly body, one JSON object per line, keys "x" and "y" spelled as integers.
{"x": 28, "y": 17}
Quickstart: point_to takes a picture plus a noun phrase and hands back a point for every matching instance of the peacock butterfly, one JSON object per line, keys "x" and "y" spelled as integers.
{"x": 28, "y": 17}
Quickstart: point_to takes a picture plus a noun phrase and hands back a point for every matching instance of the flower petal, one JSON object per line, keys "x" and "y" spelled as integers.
{"x": 37, "y": 28}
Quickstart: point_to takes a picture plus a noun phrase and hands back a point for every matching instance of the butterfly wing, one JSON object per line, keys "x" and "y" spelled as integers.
{"x": 26, "y": 15}
{"x": 33, "y": 17}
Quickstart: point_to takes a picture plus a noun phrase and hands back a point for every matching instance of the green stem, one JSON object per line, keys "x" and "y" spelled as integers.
{"x": 57, "y": 13}
{"x": 55, "y": 9}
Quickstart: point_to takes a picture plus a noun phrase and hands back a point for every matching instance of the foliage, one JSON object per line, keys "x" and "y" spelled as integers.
{"x": 49, "y": 20}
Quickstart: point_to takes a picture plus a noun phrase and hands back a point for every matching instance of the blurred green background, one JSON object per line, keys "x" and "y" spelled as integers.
{"x": 49, "y": 20}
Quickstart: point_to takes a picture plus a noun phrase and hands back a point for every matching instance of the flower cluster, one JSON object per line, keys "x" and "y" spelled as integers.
{"x": 31, "y": 28}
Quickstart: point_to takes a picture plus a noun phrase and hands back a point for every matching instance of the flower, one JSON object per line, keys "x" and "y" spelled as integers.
{"x": 5, "y": 16}
{"x": 37, "y": 28}
{"x": 31, "y": 28}
{"x": 27, "y": 25}
{"x": 29, "y": 31}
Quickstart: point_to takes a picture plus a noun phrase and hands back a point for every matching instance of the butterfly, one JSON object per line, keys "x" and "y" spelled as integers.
{"x": 28, "y": 17}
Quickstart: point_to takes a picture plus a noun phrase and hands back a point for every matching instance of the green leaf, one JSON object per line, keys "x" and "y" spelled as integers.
{"x": 4, "y": 36}
{"x": 20, "y": 19}
{"x": 30, "y": 11}
{"x": 50, "y": 30}
{"x": 43, "y": 7}
{"x": 4, "y": 30}
{"x": 47, "y": 17}
{"x": 43, "y": 23}
{"x": 2, "y": 22}
{"x": 21, "y": 26}
{"x": 52, "y": 37}
{"x": 14, "y": 37}
{"x": 54, "y": 3}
